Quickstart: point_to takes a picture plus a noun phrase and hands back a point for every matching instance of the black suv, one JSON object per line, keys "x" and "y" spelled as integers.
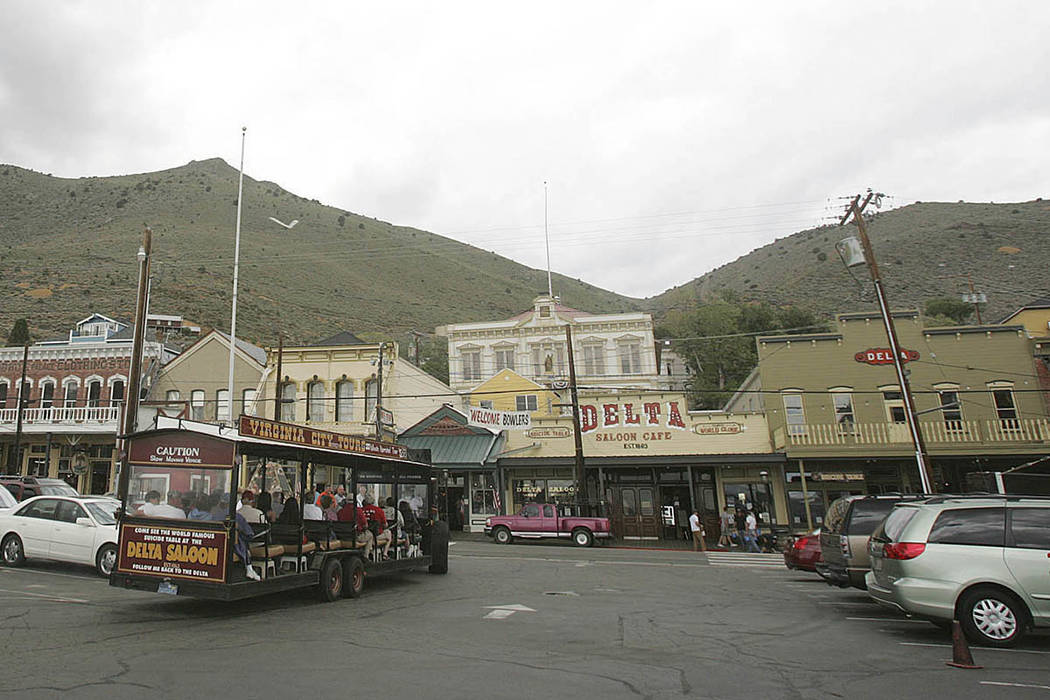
{"x": 23, "y": 487}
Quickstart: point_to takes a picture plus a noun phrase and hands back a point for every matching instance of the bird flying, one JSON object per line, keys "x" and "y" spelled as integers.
{"x": 281, "y": 223}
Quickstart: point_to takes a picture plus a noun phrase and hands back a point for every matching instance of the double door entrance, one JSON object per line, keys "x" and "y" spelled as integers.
{"x": 661, "y": 511}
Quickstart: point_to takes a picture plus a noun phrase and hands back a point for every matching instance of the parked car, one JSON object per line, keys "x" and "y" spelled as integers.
{"x": 23, "y": 487}
{"x": 804, "y": 552}
{"x": 74, "y": 529}
{"x": 547, "y": 520}
{"x": 844, "y": 537}
{"x": 6, "y": 499}
{"x": 981, "y": 560}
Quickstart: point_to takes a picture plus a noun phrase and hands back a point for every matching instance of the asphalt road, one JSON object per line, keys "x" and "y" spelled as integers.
{"x": 600, "y": 623}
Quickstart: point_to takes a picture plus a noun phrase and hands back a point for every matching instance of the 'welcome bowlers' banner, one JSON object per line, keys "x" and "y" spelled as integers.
{"x": 500, "y": 420}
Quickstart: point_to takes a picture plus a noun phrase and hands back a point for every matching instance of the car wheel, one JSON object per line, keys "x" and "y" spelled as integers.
{"x": 502, "y": 536}
{"x": 106, "y": 559}
{"x": 353, "y": 577}
{"x": 582, "y": 537}
{"x": 992, "y": 617}
{"x": 331, "y": 585}
{"x": 12, "y": 550}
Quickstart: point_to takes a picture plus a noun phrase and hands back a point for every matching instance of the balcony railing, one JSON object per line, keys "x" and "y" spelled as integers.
{"x": 77, "y": 414}
{"x": 939, "y": 433}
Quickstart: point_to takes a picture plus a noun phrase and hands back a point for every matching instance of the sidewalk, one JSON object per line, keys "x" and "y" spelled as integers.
{"x": 616, "y": 543}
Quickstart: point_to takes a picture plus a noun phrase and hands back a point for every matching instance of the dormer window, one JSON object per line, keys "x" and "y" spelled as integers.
{"x": 545, "y": 312}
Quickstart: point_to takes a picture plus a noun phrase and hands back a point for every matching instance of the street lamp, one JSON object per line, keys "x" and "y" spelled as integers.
{"x": 236, "y": 262}
{"x": 858, "y": 251}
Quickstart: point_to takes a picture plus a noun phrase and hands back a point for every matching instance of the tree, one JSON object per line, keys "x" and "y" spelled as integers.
{"x": 19, "y": 334}
{"x": 955, "y": 309}
{"x": 717, "y": 342}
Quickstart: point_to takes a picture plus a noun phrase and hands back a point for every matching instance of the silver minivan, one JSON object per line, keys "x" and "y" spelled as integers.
{"x": 982, "y": 560}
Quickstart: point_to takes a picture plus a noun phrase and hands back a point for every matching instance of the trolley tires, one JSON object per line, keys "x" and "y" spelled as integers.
{"x": 353, "y": 577}
{"x": 439, "y": 537}
{"x": 330, "y": 587}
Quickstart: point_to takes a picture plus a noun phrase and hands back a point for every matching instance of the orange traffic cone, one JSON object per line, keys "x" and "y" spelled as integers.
{"x": 961, "y": 656}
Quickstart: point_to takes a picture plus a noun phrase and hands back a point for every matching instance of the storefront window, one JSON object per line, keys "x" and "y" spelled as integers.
{"x": 753, "y": 497}
{"x": 562, "y": 491}
{"x": 482, "y": 494}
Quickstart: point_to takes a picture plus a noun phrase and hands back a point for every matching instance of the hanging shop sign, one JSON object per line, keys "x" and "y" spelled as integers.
{"x": 884, "y": 356}
{"x": 723, "y": 428}
{"x": 499, "y": 420}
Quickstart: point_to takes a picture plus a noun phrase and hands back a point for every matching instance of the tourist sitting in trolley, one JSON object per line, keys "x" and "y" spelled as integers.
{"x": 153, "y": 508}
{"x": 377, "y": 520}
{"x": 351, "y": 513}
{"x": 312, "y": 512}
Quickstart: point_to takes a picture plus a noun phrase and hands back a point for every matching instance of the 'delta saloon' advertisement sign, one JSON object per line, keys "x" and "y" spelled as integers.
{"x": 173, "y": 552}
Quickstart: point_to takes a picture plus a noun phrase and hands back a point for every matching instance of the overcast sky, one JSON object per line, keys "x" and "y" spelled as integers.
{"x": 675, "y": 137}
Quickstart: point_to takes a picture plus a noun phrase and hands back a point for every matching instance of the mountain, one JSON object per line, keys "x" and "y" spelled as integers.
{"x": 67, "y": 247}
{"x": 924, "y": 250}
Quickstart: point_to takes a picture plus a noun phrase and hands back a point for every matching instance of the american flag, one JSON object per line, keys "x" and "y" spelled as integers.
{"x": 496, "y": 502}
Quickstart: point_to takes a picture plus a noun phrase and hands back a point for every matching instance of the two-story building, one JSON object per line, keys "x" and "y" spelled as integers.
{"x": 614, "y": 349}
{"x": 835, "y": 409}
{"x": 75, "y": 391}
{"x": 333, "y": 385}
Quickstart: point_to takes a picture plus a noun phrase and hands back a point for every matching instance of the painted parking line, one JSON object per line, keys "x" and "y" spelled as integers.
{"x": 949, "y": 646}
{"x": 1016, "y": 685}
{"x": 45, "y": 596}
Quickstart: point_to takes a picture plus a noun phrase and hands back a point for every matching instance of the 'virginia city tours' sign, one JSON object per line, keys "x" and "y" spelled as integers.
{"x": 309, "y": 437}
{"x": 499, "y": 420}
{"x": 884, "y": 356}
{"x": 173, "y": 552}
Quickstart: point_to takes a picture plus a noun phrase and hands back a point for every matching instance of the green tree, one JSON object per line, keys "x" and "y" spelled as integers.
{"x": 19, "y": 334}
{"x": 955, "y": 309}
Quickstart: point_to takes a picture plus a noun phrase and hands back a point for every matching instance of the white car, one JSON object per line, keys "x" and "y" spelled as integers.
{"x": 78, "y": 529}
{"x": 7, "y": 501}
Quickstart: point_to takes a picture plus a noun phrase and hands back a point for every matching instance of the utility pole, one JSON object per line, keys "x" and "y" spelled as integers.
{"x": 575, "y": 417}
{"x": 131, "y": 406}
{"x": 856, "y": 209}
{"x": 16, "y": 459}
{"x": 974, "y": 298}
{"x": 379, "y": 393}
{"x": 416, "y": 335}
{"x": 278, "y": 399}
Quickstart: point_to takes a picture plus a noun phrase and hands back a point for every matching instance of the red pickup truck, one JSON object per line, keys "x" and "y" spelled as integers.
{"x": 540, "y": 520}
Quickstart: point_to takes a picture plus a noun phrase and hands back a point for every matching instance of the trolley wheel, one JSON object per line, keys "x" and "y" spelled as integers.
{"x": 439, "y": 548}
{"x": 331, "y": 584}
{"x": 353, "y": 577}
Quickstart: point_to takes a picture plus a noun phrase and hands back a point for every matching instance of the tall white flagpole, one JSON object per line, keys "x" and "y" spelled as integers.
{"x": 236, "y": 263}
{"x": 547, "y": 239}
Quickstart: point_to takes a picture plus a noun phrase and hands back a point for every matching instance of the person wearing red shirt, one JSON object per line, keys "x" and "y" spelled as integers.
{"x": 351, "y": 513}
{"x": 376, "y": 515}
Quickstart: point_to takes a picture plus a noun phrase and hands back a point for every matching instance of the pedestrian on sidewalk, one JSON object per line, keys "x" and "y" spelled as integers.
{"x": 728, "y": 527}
{"x": 698, "y": 531}
{"x": 752, "y": 533}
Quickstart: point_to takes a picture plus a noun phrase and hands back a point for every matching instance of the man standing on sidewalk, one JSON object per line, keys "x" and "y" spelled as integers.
{"x": 698, "y": 531}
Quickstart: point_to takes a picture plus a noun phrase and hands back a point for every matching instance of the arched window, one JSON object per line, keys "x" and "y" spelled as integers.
{"x": 3, "y": 394}
{"x": 222, "y": 405}
{"x": 247, "y": 400}
{"x": 288, "y": 402}
{"x": 47, "y": 394}
{"x": 344, "y": 401}
{"x": 116, "y": 392}
{"x": 315, "y": 402}
{"x": 69, "y": 395}
{"x": 197, "y": 404}
{"x": 370, "y": 399}
{"x": 94, "y": 393}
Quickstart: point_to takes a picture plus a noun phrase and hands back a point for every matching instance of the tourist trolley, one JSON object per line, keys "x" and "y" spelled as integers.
{"x": 180, "y": 532}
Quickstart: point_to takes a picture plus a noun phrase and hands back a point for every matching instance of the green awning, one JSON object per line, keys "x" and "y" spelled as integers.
{"x": 458, "y": 451}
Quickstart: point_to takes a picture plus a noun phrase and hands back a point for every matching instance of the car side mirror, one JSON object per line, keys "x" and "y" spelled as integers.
{"x": 85, "y": 522}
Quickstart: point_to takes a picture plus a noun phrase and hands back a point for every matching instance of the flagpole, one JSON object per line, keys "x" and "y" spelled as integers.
{"x": 236, "y": 263}
{"x": 547, "y": 239}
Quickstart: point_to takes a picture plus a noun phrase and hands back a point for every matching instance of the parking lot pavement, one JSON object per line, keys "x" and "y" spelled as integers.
{"x": 506, "y": 622}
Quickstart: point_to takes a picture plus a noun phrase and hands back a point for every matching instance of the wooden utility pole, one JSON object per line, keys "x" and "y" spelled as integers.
{"x": 579, "y": 478}
{"x": 973, "y": 296}
{"x": 416, "y": 335}
{"x": 131, "y": 406}
{"x": 856, "y": 209}
{"x": 278, "y": 398}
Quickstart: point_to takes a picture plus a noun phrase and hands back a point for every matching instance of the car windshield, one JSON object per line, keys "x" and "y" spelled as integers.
{"x": 57, "y": 490}
{"x": 103, "y": 511}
